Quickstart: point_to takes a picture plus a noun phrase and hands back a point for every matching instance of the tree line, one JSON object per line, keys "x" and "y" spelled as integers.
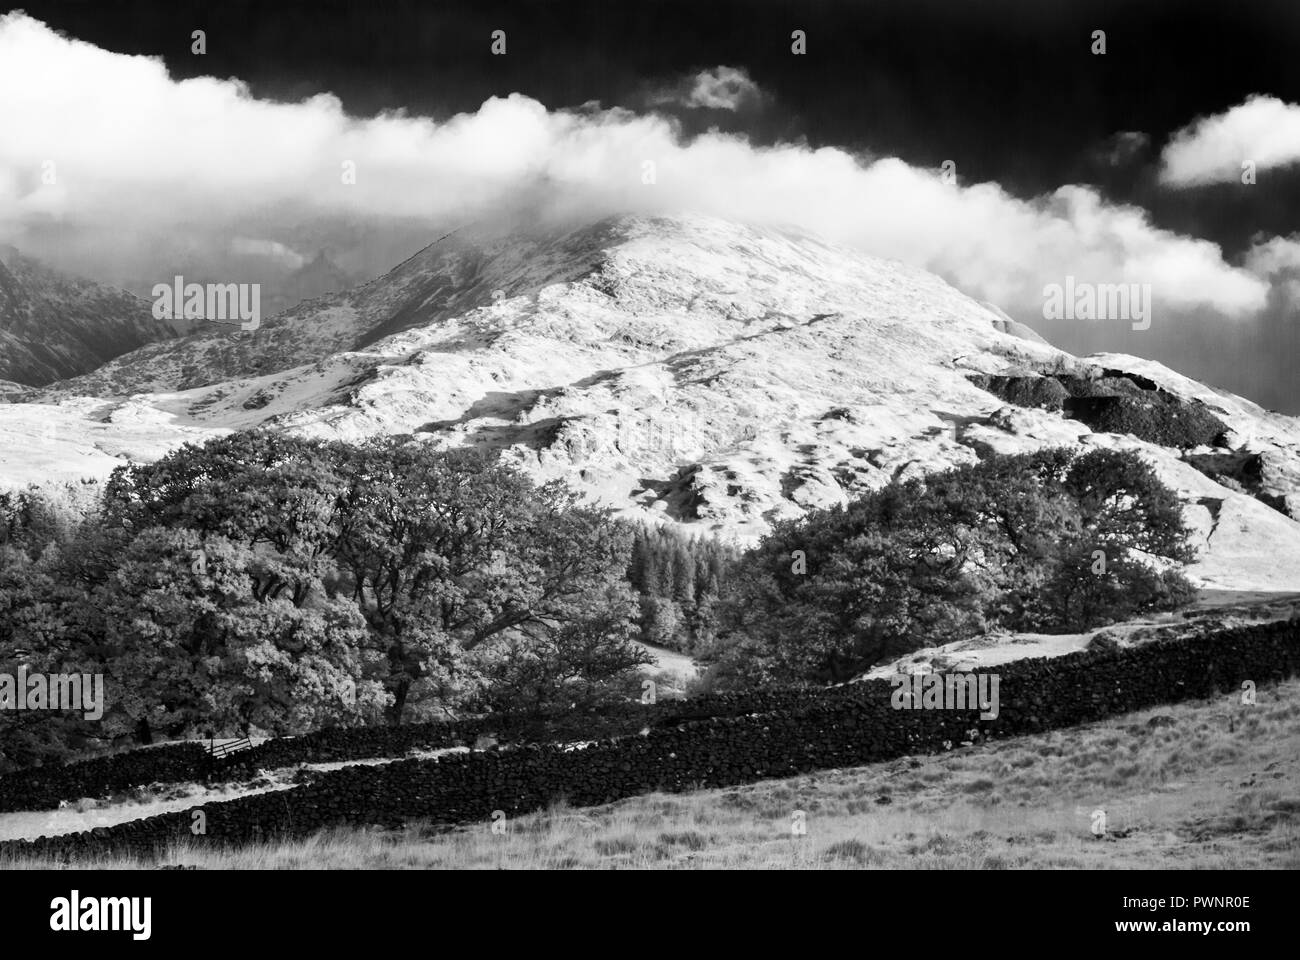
{"x": 264, "y": 583}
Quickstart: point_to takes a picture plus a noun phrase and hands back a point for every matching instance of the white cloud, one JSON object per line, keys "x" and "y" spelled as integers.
{"x": 1124, "y": 146}
{"x": 143, "y": 155}
{"x": 1278, "y": 259}
{"x": 268, "y": 250}
{"x": 1262, "y": 130}
{"x": 722, "y": 88}
{"x": 1275, "y": 255}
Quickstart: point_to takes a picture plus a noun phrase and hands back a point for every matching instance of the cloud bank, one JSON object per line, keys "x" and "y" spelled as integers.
{"x": 96, "y": 142}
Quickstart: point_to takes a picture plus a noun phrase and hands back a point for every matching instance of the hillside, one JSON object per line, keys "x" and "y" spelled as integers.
{"x": 54, "y": 326}
{"x": 688, "y": 370}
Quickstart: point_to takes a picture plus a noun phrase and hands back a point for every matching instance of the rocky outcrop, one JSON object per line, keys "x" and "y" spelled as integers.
{"x": 1113, "y": 402}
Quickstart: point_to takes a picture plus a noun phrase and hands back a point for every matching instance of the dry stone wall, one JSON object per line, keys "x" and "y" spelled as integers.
{"x": 44, "y": 787}
{"x": 793, "y": 733}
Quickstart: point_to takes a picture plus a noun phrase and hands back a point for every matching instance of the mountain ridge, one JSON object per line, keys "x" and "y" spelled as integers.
{"x": 54, "y": 325}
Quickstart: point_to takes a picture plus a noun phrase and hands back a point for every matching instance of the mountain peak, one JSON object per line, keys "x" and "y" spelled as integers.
{"x": 655, "y": 285}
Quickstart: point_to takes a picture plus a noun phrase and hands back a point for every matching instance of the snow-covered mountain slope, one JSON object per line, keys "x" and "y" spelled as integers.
{"x": 685, "y": 368}
{"x": 451, "y": 276}
{"x": 54, "y": 326}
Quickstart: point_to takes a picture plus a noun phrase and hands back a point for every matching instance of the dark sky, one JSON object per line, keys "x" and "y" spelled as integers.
{"x": 1006, "y": 88}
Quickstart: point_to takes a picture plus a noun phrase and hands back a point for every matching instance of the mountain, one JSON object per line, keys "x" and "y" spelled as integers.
{"x": 54, "y": 326}
{"x": 281, "y": 287}
{"x": 693, "y": 371}
{"x": 453, "y": 275}
{"x": 315, "y": 278}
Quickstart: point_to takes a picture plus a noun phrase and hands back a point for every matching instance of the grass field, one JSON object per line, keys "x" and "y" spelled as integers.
{"x": 1215, "y": 785}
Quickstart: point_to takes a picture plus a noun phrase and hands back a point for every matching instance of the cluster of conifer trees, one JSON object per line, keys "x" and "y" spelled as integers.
{"x": 681, "y": 582}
